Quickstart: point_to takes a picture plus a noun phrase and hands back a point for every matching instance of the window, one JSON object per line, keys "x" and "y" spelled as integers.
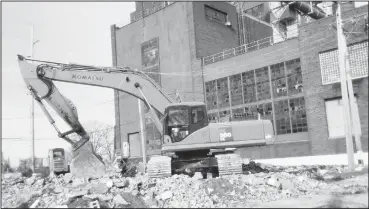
{"x": 211, "y": 97}
{"x": 223, "y": 94}
{"x": 215, "y": 15}
{"x": 249, "y": 93}
{"x": 282, "y": 117}
{"x": 298, "y": 115}
{"x": 224, "y": 115}
{"x": 58, "y": 154}
{"x": 358, "y": 58}
{"x": 262, "y": 83}
{"x": 334, "y": 112}
{"x": 267, "y": 110}
{"x": 197, "y": 114}
{"x": 250, "y": 115}
{"x": 178, "y": 116}
{"x": 236, "y": 89}
{"x": 213, "y": 117}
{"x": 294, "y": 77}
{"x": 278, "y": 80}
{"x": 238, "y": 114}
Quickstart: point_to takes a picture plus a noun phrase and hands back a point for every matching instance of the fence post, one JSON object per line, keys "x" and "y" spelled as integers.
{"x": 223, "y": 55}
{"x": 234, "y": 51}
{"x": 271, "y": 40}
{"x": 245, "y": 45}
{"x": 213, "y": 59}
{"x": 257, "y": 42}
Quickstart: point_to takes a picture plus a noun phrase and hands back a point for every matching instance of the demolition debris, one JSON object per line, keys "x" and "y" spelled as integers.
{"x": 259, "y": 184}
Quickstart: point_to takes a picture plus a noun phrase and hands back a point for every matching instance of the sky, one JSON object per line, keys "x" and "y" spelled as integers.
{"x": 76, "y": 32}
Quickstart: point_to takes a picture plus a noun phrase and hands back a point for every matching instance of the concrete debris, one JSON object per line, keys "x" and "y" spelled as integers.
{"x": 99, "y": 188}
{"x": 197, "y": 175}
{"x": 94, "y": 204}
{"x": 259, "y": 183}
{"x": 30, "y": 181}
{"x": 35, "y": 204}
{"x": 77, "y": 194}
{"x": 109, "y": 184}
{"x": 118, "y": 199}
{"x": 68, "y": 177}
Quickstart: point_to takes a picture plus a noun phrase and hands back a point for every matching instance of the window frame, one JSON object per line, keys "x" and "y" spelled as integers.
{"x": 216, "y": 12}
{"x": 199, "y": 120}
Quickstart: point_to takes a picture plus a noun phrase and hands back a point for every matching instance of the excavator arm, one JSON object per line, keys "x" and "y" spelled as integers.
{"x": 39, "y": 80}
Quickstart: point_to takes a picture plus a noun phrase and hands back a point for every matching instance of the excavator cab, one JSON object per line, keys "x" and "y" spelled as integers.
{"x": 183, "y": 119}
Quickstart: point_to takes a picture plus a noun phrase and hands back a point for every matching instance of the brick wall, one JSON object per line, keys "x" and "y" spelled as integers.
{"x": 316, "y": 37}
{"x": 213, "y": 37}
{"x": 174, "y": 52}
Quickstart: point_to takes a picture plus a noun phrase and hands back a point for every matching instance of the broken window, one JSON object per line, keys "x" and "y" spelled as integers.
{"x": 238, "y": 114}
{"x": 236, "y": 89}
{"x": 262, "y": 84}
{"x": 294, "y": 77}
{"x": 298, "y": 115}
{"x": 211, "y": 97}
{"x": 213, "y": 117}
{"x": 224, "y": 115}
{"x": 249, "y": 94}
{"x": 278, "y": 80}
{"x": 250, "y": 115}
{"x": 223, "y": 94}
{"x": 282, "y": 118}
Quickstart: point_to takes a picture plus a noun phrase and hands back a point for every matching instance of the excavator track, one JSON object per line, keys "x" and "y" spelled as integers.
{"x": 159, "y": 167}
{"x": 229, "y": 164}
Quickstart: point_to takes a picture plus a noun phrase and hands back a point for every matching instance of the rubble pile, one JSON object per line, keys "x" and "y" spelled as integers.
{"x": 259, "y": 183}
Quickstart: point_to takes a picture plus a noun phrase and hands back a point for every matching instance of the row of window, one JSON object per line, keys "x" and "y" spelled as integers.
{"x": 290, "y": 115}
{"x": 284, "y": 79}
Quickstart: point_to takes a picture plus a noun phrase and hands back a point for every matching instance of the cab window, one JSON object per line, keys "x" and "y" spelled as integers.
{"x": 197, "y": 114}
{"x": 58, "y": 154}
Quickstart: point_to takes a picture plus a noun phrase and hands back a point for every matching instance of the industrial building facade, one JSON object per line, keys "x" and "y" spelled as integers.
{"x": 281, "y": 61}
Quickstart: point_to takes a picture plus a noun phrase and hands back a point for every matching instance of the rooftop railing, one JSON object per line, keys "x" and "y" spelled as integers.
{"x": 249, "y": 47}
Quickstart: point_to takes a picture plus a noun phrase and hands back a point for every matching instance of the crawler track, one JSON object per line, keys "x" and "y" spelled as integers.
{"x": 229, "y": 164}
{"x": 159, "y": 167}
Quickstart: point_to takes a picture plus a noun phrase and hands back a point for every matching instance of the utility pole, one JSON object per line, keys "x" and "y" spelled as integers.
{"x": 355, "y": 120}
{"x": 344, "y": 90}
{"x": 32, "y": 110}
{"x": 140, "y": 112}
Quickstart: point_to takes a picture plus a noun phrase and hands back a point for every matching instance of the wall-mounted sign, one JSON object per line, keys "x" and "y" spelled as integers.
{"x": 151, "y": 59}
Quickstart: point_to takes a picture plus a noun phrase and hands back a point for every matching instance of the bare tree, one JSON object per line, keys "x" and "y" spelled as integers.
{"x": 102, "y": 140}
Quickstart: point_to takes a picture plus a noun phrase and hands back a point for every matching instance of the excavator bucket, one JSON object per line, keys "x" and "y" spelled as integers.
{"x": 86, "y": 163}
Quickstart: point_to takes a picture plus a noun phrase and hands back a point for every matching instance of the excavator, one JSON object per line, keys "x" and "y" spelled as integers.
{"x": 189, "y": 142}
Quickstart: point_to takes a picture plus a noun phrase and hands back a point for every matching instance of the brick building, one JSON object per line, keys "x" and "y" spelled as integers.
{"x": 210, "y": 51}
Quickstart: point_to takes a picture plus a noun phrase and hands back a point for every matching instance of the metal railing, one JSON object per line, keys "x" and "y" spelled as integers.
{"x": 249, "y": 47}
